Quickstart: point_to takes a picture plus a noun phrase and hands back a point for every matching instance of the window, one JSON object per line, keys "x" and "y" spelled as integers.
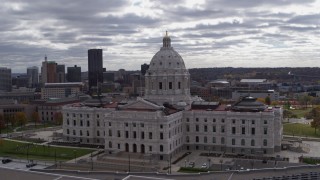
{"x": 161, "y": 126}
{"x": 80, "y": 132}
{"x": 222, "y": 129}
{"x": 74, "y": 132}
{"x": 142, "y": 135}
{"x": 243, "y": 142}
{"x": 197, "y": 139}
{"x": 150, "y": 148}
{"x": 187, "y": 128}
{"x": 205, "y": 120}
{"x": 109, "y": 123}
{"x": 67, "y": 121}
{"x": 233, "y": 121}
{"x": 253, "y": 122}
{"x": 88, "y": 123}
{"x": 68, "y": 131}
{"x": 214, "y": 129}
{"x": 88, "y": 116}
{"x": 252, "y": 142}
{"x": 253, "y": 131}
{"x": 187, "y": 119}
{"x": 161, "y": 148}
{"x": 222, "y": 140}
{"x": 88, "y": 134}
{"x": 179, "y": 85}
{"x": 81, "y": 123}
{"x": 205, "y": 140}
{"x": 213, "y": 139}
{"x": 265, "y": 130}
{"x": 97, "y": 115}
{"x": 233, "y": 142}
{"x": 118, "y": 146}
{"x": 265, "y": 122}
{"x": 205, "y": 128}
{"x": 197, "y": 119}
{"x": 74, "y": 122}
{"x": 187, "y": 139}
{"x": 222, "y": 120}
{"x": 110, "y": 132}
{"x": 150, "y": 135}
{"x": 141, "y": 125}
{"x": 243, "y": 130}
{"x": 118, "y": 133}
{"x": 98, "y": 133}
{"x": 127, "y": 134}
{"x": 110, "y": 144}
{"x": 161, "y": 135}
{"x": 126, "y": 124}
{"x": 170, "y": 85}
{"x": 134, "y": 134}
{"x": 160, "y": 85}
{"x": 197, "y": 128}
{"x": 233, "y": 130}
{"x": 265, "y": 142}
{"x": 98, "y": 123}
{"x": 213, "y": 120}
{"x": 134, "y": 124}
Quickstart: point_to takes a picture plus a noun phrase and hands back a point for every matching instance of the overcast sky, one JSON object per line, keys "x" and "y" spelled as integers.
{"x": 213, "y": 33}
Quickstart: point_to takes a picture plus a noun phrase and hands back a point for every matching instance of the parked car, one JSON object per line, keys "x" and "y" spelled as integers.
{"x": 204, "y": 166}
{"x": 31, "y": 164}
{"x": 191, "y": 164}
{"x": 6, "y": 160}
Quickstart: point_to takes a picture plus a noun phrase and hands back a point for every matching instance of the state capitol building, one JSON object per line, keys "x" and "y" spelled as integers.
{"x": 168, "y": 120}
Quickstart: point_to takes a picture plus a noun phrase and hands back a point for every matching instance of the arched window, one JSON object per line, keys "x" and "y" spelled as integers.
{"x": 265, "y": 142}
{"x": 243, "y": 142}
{"x": 252, "y": 142}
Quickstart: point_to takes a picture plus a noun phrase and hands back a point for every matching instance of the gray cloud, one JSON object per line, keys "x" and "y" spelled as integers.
{"x": 64, "y": 30}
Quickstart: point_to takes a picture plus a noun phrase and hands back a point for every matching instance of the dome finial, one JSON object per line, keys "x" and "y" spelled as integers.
{"x": 166, "y": 40}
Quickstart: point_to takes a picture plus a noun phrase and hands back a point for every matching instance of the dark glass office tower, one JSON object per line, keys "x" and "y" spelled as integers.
{"x": 95, "y": 68}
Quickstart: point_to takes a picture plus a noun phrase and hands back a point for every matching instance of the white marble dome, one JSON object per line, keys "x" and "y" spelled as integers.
{"x": 167, "y": 58}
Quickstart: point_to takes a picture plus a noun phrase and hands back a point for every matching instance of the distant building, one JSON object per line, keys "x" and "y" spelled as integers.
{"x": 5, "y": 79}
{"x": 61, "y": 73}
{"x": 74, "y": 74}
{"x": 108, "y": 76}
{"x": 144, "y": 68}
{"x": 48, "y": 71}
{"x": 47, "y": 109}
{"x": 95, "y": 67}
{"x": 33, "y": 74}
{"x": 274, "y": 96}
{"x": 21, "y": 81}
{"x": 10, "y": 107}
{"x": 61, "y": 90}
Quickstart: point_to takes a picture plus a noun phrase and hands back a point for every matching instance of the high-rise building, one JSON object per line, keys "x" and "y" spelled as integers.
{"x": 48, "y": 71}
{"x": 144, "y": 68}
{"x": 95, "y": 68}
{"x": 5, "y": 79}
{"x": 33, "y": 74}
{"x": 74, "y": 74}
{"x": 61, "y": 73}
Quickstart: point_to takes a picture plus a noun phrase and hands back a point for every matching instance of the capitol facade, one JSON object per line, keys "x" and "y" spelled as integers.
{"x": 168, "y": 120}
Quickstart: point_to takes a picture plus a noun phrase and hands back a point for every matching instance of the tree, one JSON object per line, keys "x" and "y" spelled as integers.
{"x": 35, "y": 117}
{"x": 304, "y": 100}
{"x": 315, "y": 114}
{"x": 58, "y": 118}
{"x": 267, "y": 100}
{"x": 21, "y": 118}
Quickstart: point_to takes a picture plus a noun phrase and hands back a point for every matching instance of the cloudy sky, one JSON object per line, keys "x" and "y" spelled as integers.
{"x": 213, "y": 33}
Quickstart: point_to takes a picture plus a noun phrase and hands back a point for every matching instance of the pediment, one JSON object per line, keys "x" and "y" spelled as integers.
{"x": 141, "y": 104}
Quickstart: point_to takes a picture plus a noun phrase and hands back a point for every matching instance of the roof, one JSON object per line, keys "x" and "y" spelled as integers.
{"x": 253, "y": 80}
{"x": 249, "y": 104}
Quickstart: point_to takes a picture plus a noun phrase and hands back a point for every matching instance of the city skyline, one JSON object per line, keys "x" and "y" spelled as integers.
{"x": 217, "y": 33}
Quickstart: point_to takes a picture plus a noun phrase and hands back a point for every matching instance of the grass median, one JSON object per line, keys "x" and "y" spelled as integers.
{"x": 297, "y": 129}
{"x": 39, "y": 152}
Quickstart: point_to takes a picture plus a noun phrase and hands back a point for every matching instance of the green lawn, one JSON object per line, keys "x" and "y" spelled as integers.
{"x": 39, "y": 152}
{"x": 5, "y": 130}
{"x": 297, "y": 129}
{"x": 300, "y": 112}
